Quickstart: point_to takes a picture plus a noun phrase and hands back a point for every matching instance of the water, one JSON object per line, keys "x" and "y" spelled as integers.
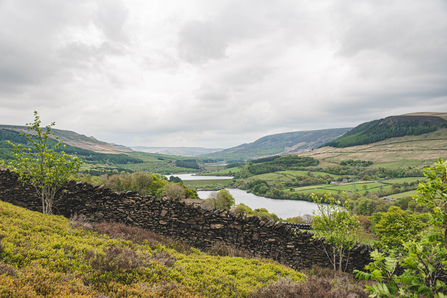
{"x": 282, "y": 208}
{"x": 186, "y": 177}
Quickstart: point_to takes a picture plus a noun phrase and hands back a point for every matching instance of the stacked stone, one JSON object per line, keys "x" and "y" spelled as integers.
{"x": 183, "y": 221}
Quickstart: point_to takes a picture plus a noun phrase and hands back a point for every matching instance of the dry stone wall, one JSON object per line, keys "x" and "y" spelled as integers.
{"x": 186, "y": 222}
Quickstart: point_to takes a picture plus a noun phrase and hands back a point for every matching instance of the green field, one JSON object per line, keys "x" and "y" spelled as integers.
{"x": 404, "y": 194}
{"x": 402, "y": 180}
{"x": 287, "y": 176}
{"x": 203, "y": 183}
{"x": 347, "y": 187}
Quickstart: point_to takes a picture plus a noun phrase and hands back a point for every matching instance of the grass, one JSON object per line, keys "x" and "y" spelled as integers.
{"x": 47, "y": 256}
{"x": 200, "y": 184}
{"x": 346, "y": 187}
{"x": 404, "y": 194}
{"x": 212, "y": 170}
{"x": 396, "y": 152}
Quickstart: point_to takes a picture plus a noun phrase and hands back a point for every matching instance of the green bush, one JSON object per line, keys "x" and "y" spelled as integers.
{"x": 396, "y": 227}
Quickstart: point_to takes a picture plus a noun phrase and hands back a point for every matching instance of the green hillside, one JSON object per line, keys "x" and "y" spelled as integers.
{"x": 278, "y": 144}
{"x": 50, "y": 256}
{"x": 77, "y": 140}
{"x": 86, "y": 155}
{"x": 95, "y": 163}
{"x": 390, "y": 127}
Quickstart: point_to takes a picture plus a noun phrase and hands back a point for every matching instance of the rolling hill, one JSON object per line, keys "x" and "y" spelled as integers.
{"x": 180, "y": 151}
{"x": 77, "y": 140}
{"x": 407, "y": 151}
{"x": 278, "y": 144}
{"x": 391, "y": 127}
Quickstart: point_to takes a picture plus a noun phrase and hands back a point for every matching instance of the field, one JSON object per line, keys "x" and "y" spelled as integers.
{"x": 419, "y": 151}
{"x": 200, "y": 184}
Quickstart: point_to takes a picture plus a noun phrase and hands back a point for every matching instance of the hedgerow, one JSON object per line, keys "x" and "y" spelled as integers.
{"x": 46, "y": 256}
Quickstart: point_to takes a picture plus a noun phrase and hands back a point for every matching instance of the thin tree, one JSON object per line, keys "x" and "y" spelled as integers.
{"x": 339, "y": 228}
{"x": 46, "y": 168}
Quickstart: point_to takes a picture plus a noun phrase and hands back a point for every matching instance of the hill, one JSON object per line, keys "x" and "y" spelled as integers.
{"x": 278, "y": 144}
{"x": 50, "y": 256}
{"x": 391, "y": 127}
{"x": 88, "y": 156}
{"x": 408, "y": 151}
{"x": 180, "y": 151}
{"x": 77, "y": 140}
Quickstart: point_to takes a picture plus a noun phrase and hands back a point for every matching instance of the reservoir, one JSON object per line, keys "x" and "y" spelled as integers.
{"x": 282, "y": 208}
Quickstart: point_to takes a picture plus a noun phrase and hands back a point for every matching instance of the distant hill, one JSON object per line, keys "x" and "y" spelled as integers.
{"x": 179, "y": 151}
{"x": 77, "y": 140}
{"x": 391, "y": 127}
{"x": 88, "y": 156}
{"x": 414, "y": 151}
{"x": 284, "y": 143}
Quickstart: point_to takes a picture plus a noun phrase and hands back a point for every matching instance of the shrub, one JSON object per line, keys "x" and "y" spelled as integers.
{"x": 221, "y": 249}
{"x": 320, "y": 283}
{"x": 116, "y": 259}
{"x": 395, "y": 227}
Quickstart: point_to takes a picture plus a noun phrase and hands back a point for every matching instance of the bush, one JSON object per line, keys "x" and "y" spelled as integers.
{"x": 395, "y": 227}
{"x": 320, "y": 283}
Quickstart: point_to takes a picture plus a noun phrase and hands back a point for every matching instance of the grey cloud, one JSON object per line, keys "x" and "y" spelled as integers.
{"x": 111, "y": 16}
{"x": 200, "y": 42}
{"x": 413, "y": 32}
{"x": 213, "y": 94}
{"x": 32, "y": 35}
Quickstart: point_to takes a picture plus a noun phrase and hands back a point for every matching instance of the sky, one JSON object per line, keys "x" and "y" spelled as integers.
{"x": 219, "y": 73}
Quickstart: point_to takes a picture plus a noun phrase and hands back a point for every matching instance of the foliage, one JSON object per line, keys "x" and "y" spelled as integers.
{"x": 423, "y": 260}
{"x": 148, "y": 184}
{"x": 187, "y": 163}
{"x": 433, "y": 194}
{"x": 175, "y": 179}
{"x": 262, "y": 212}
{"x": 280, "y": 163}
{"x": 221, "y": 200}
{"x": 44, "y": 168}
{"x": 396, "y": 227}
{"x": 338, "y": 226}
{"x": 174, "y": 191}
{"x": 423, "y": 266}
{"x": 49, "y": 258}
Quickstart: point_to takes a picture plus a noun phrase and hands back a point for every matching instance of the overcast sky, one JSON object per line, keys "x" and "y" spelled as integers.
{"x": 218, "y": 73}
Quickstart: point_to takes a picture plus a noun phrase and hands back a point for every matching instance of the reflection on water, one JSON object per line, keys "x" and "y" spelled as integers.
{"x": 282, "y": 208}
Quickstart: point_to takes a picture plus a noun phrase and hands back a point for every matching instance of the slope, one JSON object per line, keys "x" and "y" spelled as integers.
{"x": 50, "y": 256}
{"x": 414, "y": 151}
{"x": 391, "y": 127}
{"x": 180, "y": 151}
{"x": 284, "y": 143}
{"x": 77, "y": 140}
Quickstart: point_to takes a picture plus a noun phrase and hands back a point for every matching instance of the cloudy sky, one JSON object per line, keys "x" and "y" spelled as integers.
{"x": 218, "y": 73}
